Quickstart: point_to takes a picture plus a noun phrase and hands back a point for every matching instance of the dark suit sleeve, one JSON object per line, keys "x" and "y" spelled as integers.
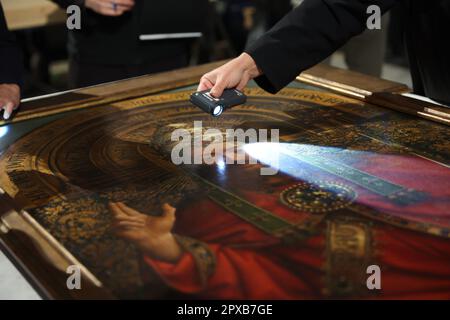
{"x": 10, "y": 56}
{"x": 308, "y": 35}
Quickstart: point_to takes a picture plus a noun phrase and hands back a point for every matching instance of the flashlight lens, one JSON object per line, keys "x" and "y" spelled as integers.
{"x": 217, "y": 111}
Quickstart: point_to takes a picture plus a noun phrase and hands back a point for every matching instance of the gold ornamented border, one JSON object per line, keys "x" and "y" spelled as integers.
{"x": 349, "y": 251}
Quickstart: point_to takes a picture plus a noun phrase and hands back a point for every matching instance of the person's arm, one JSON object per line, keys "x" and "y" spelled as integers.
{"x": 308, "y": 35}
{"x": 303, "y": 38}
{"x": 11, "y": 70}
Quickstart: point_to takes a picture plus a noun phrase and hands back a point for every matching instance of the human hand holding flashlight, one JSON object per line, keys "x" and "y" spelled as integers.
{"x": 216, "y": 106}
{"x": 234, "y": 74}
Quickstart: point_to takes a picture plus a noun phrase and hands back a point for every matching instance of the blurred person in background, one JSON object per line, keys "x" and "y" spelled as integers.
{"x": 108, "y": 46}
{"x": 247, "y": 20}
{"x": 267, "y": 14}
{"x": 11, "y": 70}
{"x": 237, "y": 18}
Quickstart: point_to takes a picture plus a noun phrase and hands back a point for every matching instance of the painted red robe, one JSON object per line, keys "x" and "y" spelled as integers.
{"x": 254, "y": 265}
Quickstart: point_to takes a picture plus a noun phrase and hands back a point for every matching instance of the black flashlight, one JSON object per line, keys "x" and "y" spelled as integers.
{"x": 216, "y": 106}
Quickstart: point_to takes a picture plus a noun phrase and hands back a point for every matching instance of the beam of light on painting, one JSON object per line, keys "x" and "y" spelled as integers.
{"x": 3, "y": 131}
{"x": 314, "y": 163}
{"x": 272, "y": 154}
{"x": 295, "y": 159}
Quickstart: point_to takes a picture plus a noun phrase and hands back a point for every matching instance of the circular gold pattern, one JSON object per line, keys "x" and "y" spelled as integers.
{"x": 318, "y": 197}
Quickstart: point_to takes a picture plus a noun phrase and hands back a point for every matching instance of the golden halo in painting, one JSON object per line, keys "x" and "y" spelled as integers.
{"x": 318, "y": 197}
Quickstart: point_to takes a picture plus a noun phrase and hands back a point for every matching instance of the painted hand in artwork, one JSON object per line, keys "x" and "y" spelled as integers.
{"x": 152, "y": 235}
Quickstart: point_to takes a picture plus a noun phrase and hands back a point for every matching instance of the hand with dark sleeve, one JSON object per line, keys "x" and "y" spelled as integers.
{"x": 104, "y": 7}
{"x": 10, "y": 70}
{"x": 306, "y": 36}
